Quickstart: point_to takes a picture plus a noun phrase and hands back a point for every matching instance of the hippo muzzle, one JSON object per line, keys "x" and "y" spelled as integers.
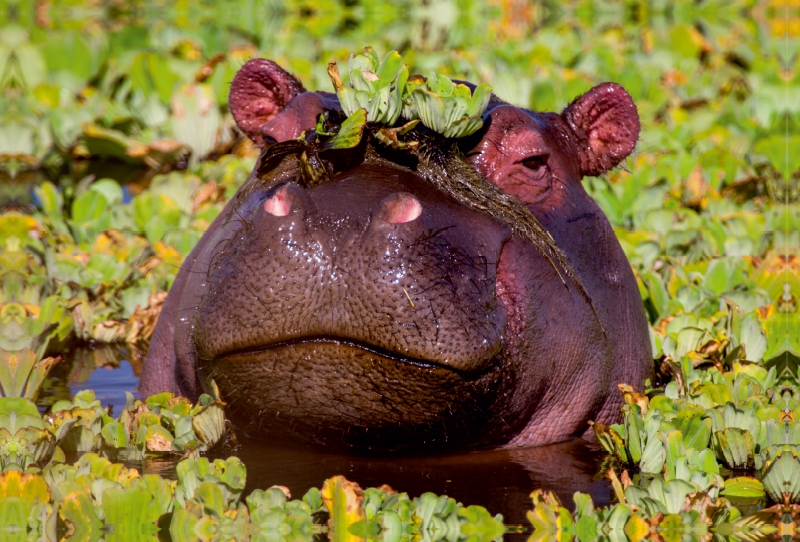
{"x": 371, "y": 297}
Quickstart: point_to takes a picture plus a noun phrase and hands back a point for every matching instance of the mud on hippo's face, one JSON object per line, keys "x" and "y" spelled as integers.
{"x": 373, "y": 310}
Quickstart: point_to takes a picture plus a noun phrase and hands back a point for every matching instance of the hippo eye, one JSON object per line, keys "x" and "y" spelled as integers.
{"x": 536, "y": 163}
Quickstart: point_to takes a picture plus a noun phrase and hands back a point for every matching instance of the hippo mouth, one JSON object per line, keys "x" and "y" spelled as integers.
{"x": 334, "y": 390}
{"x": 465, "y": 368}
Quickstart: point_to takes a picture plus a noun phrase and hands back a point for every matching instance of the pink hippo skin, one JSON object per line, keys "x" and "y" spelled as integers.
{"x": 373, "y": 311}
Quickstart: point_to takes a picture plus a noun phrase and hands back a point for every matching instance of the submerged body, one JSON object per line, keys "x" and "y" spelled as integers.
{"x": 375, "y": 311}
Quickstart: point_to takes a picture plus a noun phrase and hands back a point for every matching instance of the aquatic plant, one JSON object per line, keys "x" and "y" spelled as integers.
{"x": 161, "y": 423}
{"x": 384, "y": 90}
{"x": 706, "y": 211}
{"x": 374, "y": 86}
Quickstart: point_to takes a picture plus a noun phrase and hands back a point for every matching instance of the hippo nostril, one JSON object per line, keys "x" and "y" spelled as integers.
{"x": 280, "y": 203}
{"x": 399, "y": 208}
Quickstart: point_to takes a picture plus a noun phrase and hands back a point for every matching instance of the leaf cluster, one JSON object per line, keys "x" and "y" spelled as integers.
{"x": 384, "y": 90}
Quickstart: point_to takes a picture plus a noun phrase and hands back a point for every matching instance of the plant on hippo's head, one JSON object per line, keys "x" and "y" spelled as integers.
{"x": 374, "y": 86}
{"x": 385, "y": 91}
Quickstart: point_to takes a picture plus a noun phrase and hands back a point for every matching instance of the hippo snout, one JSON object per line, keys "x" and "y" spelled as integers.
{"x": 371, "y": 282}
{"x": 376, "y": 259}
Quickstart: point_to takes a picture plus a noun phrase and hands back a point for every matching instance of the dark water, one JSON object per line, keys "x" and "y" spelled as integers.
{"x": 500, "y": 480}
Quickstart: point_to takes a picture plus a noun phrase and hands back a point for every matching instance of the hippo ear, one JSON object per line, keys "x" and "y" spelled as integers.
{"x": 606, "y": 124}
{"x": 259, "y": 91}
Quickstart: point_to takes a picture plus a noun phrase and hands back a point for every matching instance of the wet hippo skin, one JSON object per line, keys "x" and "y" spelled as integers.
{"x": 373, "y": 311}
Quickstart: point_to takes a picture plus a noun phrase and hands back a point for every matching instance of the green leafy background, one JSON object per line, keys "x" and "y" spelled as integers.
{"x": 117, "y": 150}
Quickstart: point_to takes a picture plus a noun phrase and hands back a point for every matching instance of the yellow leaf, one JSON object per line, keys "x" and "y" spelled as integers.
{"x": 27, "y": 486}
{"x": 636, "y": 529}
{"x": 344, "y": 500}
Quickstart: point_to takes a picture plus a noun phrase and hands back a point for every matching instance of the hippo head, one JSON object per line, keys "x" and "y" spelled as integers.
{"x": 375, "y": 310}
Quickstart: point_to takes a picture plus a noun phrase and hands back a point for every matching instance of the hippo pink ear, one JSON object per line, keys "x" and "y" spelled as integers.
{"x": 259, "y": 91}
{"x": 606, "y": 124}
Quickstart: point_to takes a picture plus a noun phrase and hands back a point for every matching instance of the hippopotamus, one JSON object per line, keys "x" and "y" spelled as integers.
{"x": 373, "y": 311}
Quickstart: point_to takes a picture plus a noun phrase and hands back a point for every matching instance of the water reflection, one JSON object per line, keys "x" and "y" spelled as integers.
{"x": 499, "y": 480}
{"x": 109, "y": 370}
{"x": 109, "y": 385}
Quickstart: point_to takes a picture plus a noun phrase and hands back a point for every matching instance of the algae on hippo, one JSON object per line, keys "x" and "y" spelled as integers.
{"x": 406, "y": 290}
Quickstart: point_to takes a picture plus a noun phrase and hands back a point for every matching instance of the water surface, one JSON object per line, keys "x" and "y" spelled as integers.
{"x": 500, "y": 480}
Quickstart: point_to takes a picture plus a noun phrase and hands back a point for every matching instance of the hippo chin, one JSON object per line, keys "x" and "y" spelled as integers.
{"x": 375, "y": 311}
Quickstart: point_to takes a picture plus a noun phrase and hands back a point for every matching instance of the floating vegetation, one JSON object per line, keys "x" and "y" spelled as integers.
{"x": 682, "y": 484}
{"x": 160, "y": 424}
{"x": 384, "y": 90}
{"x": 706, "y": 212}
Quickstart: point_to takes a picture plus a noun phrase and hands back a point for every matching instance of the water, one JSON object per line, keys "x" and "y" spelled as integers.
{"x": 500, "y": 480}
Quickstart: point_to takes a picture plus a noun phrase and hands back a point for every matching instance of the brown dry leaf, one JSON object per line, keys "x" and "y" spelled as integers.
{"x": 625, "y": 479}
{"x": 149, "y": 265}
{"x": 156, "y": 153}
{"x": 110, "y": 331}
{"x": 81, "y": 257}
{"x": 245, "y": 148}
{"x": 766, "y": 312}
{"x": 695, "y": 188}
{"x": 647, "y": 40}
{"x": 207, "y": 69}
{"x": 156, "y": 442}
{"x": 209, "y": 192}
{"x": 142, "y": 322}
{"x": 285, "y": 491}
{"x": 166, "y": 146}
{"x": 619, "y": 491}
{"x": 700, "y": 502}
{"x": 240, "y": 54}
{"x": 673, "y": 78}
{"x": 713, "y": 347}
{"x": 632, "y": 397}
{"x": 662, "y": 325}
{"x": 168, "y": 254}
{"x": 111, "y": 242}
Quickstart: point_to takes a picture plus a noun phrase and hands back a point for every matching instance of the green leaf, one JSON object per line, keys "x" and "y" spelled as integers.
{"x": 743, "y": 487}
{"x": 110, "y": 190}
{"x": 69, "y": 51}
{"x": 127, "y": 513}
{"x": 89, "y": 206}
{"x": 587, "y": 529}
{"x": 430, "y": 108}
{"x": 151, "y": 73}
{"x": 50, "y": 199}
{"x": 389, "y": 69}
{"x": 782, "y": 477}
{"x": 752, "y": 336}
{"x": 79, "y": 511}
{"x": 14, "y": 514}
{"x": 717, "y": 276}
{"x": 115, "y": 435}
{"x": 464, "y": 127}
{"x": 350, "y": 132}
{"x": 735, "y": 447}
